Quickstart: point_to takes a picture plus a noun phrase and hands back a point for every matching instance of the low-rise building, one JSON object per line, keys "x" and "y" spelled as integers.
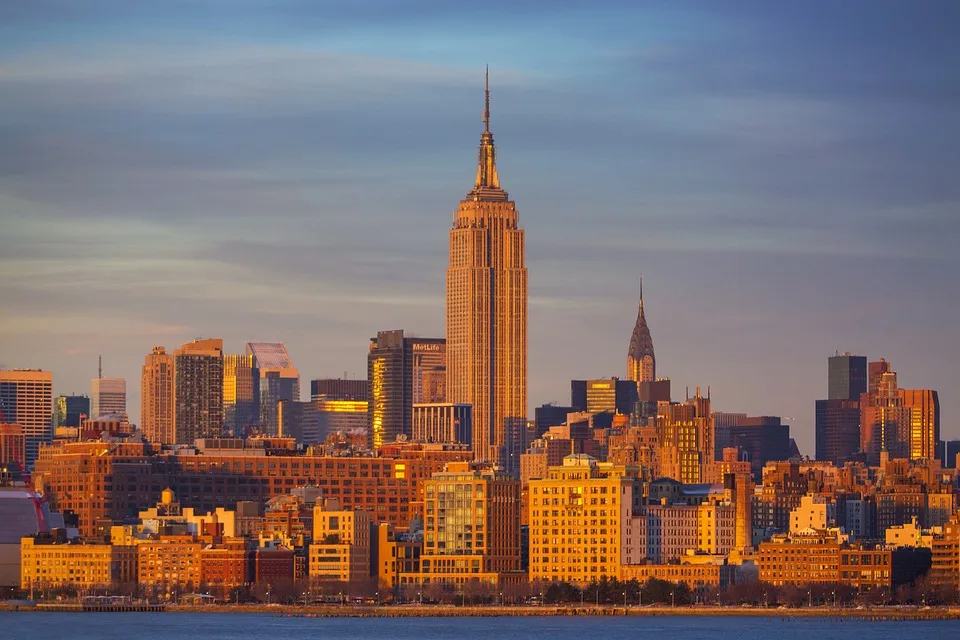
{"x": 340, "y": 551}
{"x": 705, "y": 574}
{"x": 825, "y": 557}
{"x": 46, "y": 561}
{"x": 170, "y": 564}
{"x": 226, "y": 566}
{"x": 397, "y": 556}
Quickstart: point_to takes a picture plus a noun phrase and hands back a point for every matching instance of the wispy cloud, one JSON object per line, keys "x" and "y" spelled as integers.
{"x": 784, "y": 177}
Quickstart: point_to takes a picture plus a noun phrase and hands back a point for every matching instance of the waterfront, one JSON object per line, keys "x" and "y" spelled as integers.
{"x": 211, "y": 626}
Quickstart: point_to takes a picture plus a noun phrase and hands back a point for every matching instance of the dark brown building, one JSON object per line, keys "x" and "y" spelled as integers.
{"x": 226, "y": 566}
{"x": 274, "y": 566}
{"x": 114, "y": 482}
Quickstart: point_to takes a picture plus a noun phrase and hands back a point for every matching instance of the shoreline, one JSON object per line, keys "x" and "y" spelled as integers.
{"x": 447, "y": 611}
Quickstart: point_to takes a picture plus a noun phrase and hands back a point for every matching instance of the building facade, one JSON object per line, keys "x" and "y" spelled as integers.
{"x": 471, "y": 527}
{"x": 339, "y": 389}
{"x": 241, "y": 393}
{"x": 170, "y": 564}
{"x": 341, "y": 415}
{"x": 46, "y": 563}
{"x": 444, "y": 422}
{"x": 846, "y": 376}
{"x": 685, "y": 435}
{"x": 198, "y": 384}
{"x": 340, "y": 551}
{"x": 279, "y": 380}
{"x": 837, "y": 430}
{"x": 67, "y": 410}
{"x": 26, "y": 399}
{"x": 579, "y": 516}
{"x": 611, "y": 394}
{"x": 395, "y": 370}
{"x": 108, "y": 396}
{"x": 157, "y": 397}
{"x": 487, "y": 306}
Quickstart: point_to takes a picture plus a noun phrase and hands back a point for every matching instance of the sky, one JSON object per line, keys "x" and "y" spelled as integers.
{"x": 784, "y": 176}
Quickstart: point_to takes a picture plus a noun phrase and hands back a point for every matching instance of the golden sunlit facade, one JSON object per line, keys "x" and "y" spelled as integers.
{"x": 240, "y": 392}
{"x": 471, "y": 529}
{"x": 641, "y": 362}
{"x": 685, "y": 434}
{"x": 340, "y": 551}
{"x": 487, "y": 306}
{"x": 156, "y": 397}
{"x": 79, "y": 565}
{"x": 579, "y": 515}
{"x": 378, "y": 401}
{"x": 924, "y": 405}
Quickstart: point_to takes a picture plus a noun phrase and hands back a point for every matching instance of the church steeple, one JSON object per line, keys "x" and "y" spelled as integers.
{"x": 487, "y": 184}
{"x": 641, "y": 362}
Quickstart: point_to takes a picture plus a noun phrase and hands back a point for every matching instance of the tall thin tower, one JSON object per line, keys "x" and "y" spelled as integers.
{"x": 487, "y": 305}
{"x": 641, "y": 363}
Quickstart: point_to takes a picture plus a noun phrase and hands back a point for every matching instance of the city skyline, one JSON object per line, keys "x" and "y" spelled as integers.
{"x": 771, "y": 223}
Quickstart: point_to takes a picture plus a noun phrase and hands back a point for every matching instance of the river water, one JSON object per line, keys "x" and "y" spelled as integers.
{"x": 238, "y": 626}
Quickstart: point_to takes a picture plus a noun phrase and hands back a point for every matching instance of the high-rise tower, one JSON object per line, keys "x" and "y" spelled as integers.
{"x": 241, "y": 393}
{"x": 641, "y": 363}
{"x": 108, "y": 397}
{"x": 487, "y": 305}
{"x": 279, "y": 380}
{"x": 198, "y": 388}
{"x": 26, "y": 399}
{"x": 157, "y": 397}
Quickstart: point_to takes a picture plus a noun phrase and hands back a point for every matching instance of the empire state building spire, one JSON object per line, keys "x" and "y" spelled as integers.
{"x": 641, "y": 363}
{"x": 487, "y": 185}
{"x": 487, "y": 312}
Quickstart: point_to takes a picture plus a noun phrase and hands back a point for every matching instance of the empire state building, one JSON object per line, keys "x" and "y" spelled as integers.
{"x": 487, "y": 307}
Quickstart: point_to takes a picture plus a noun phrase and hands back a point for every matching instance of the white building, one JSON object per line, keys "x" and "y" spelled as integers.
{"x": 815, "y": 512}
{"x": 108, "y": 396}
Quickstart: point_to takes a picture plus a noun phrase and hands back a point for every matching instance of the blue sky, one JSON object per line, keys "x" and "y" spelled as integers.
{"x": 783, "y": 174}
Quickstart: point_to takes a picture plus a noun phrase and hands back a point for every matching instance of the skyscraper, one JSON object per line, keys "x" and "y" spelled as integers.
{"x": 685, "y": 434}
{"x": 339, "y": 389}
{"x": 884, "y": 420}
{"x": 838, "y": 430}
{"x": 924, "y": 405}
{"x": 487, "y": 305}
{"x": 26, "y": 399}
{"x": 641, "y": 363}
{"x": 157, "y": 397}
{"x": 395, "y": 367}
{"x": 68, "y": 409}
{"x": 108, "y": 397}
{"x": 279, "y": 380}
{"x": 838, "y": 417}
{"x": 904, "y": 423}
{"x": 605, "y": 394}
{"x": 846, "y": 376}
{"x": 874, "y": 372}
{"x": 241, "y": 393}
{"x": 198, "y": 368}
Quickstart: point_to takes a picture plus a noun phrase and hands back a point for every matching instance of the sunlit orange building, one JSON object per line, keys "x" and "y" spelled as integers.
{"x": 157, "y": 397}
{"x": 487, "y": 306}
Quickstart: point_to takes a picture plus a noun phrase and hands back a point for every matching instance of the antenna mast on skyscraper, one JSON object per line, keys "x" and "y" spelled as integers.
{"x": 486, "y": 101}
{"x": 99, "y": 366}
